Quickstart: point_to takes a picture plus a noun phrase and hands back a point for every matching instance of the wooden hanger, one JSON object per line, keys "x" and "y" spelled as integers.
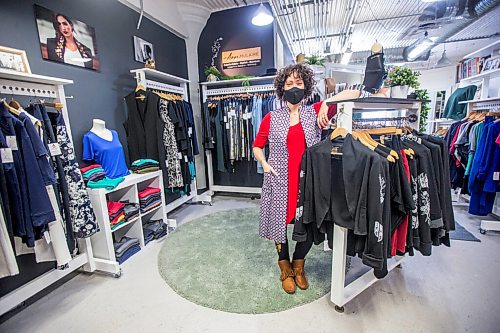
{"x": 56, "y": 105}
{"x": 15, "y": 104}
{"x": 339, "y": 131}
{"x": 11, "y": 109}
{"x": 368, "y": 138}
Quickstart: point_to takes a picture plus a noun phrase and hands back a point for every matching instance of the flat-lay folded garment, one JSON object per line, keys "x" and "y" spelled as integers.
{"x": 146, "y": 170}
{"x": 90, "y": 167}
{"x": 129, "y": 253}
{"x": 114, "y": 207}
{"x": 107, "y": 183}
{"x": 148, "y": 191}
{"x": 143, "y": 161}
{"x": 150, "y": 207}
{"x": 118, "y": 219}
{"x": 124, "y": 244}
{"x": 89, "y": 173}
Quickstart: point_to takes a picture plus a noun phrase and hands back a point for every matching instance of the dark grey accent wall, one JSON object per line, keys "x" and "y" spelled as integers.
{"x": 96, "y": 94}
{"x": 238, "y": 32}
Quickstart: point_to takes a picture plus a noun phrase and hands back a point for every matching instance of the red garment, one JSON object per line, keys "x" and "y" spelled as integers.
{"x": 114, "y": 207}
{"x": 90, "y": 167}
{"x": 398, "y": 240}
{"x": 148, "y": 191}
{"x": 117, "y": 219}
{"x": 498, "y": 140}
{"x": 296, "y": 143}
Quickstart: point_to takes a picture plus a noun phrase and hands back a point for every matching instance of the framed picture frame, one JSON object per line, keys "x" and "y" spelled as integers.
{"x": 143, "y": 50}
{"x": 14, "y": 59}
{"x": 491, "y": 64}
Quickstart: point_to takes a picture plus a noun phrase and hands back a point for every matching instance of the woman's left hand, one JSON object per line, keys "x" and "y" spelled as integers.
{"x": 323, "y": 116}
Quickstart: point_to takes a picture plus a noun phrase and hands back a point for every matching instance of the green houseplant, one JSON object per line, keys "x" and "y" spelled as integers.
{"x": 423, "y": 94}
{"x": 315, "y": 60}
{"x": 212, "y": 74}
{"x": 400, "y": 79}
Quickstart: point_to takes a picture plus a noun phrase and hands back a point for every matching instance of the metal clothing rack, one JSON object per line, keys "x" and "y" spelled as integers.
{"x": 176, "y": 85}
{"x": 340, "y": 292}
{"x": 24, "y": 84}
{"x": 207, "y": 91}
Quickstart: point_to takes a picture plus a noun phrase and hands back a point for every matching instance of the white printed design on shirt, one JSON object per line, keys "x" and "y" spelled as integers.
{"x": 382, "y": 188}
{"x": 378, "y": 231}
{"x": 425, "y": 207}
{"x": 414, "y": 215}
{"x": 298, "y": 212}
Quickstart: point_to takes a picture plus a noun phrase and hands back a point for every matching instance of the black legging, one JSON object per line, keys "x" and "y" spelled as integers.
{"x": 301, "y": 250}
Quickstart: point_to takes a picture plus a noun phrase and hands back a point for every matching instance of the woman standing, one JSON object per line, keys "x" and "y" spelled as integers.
{"x": 65, "y": 47}
{"x": 289, "y": 131}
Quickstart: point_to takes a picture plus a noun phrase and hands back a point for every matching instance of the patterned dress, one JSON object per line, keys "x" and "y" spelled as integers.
{"x": 82, "y": 213}
{"x": 171, "y": 151}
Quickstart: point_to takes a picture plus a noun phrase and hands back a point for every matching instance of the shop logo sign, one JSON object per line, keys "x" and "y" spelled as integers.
{"x": 241, "y": 58}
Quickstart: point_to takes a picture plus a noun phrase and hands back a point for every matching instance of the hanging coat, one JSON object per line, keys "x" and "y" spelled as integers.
{"x": 275, "y": 188}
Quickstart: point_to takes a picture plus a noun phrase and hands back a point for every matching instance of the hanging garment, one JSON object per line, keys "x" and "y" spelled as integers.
{"x": 273, "y": 214}
{"x": 82, "y": 214}
{"x": 109, "y": 154}
{"x": 8, "y": 263}
{"x": 453, "y": 109}
{"x": 174, "y": 174}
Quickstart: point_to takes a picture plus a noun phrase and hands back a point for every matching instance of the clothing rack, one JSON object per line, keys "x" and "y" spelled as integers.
{"x": 207, "y": 92}
{"x": 340, "y": 292}
{"x": 24, "y": 84}
{"x": 176, "y": 85}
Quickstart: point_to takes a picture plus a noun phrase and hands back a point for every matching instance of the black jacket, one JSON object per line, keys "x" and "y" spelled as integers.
{"x": 55, "y": 52}
{"x": 364, "y": 174}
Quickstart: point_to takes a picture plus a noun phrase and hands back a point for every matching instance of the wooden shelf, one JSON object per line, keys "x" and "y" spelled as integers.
{"x": 488, "y": 49}
{"x": 32, "y": 78}
{"x": 154, "y": 74}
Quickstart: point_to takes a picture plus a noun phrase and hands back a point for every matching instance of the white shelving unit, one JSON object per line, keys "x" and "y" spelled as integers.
{"x": 147, "y": 78}
{"x": 128, "y": 190}
{"x": 24, "y": 84}
{"x": 209, "y": 89}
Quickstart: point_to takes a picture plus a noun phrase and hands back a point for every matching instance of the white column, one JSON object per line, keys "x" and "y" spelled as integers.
{"x": 195, "y": 18}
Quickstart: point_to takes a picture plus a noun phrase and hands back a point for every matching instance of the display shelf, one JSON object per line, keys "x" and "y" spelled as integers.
{"x": 126, "y": 223}
{"x": 491, "y": 74}
{"x": 491, "y": 99}
{"x": 32, "y": 78}
{"x": 155, "y": 74}
{"x": 229, "y": 82}
{"x": 151, "y": 210}
{"x": 130, "y": 180}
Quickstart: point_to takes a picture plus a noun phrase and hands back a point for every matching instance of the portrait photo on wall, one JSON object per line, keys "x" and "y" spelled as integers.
{"x": 143, "y": 50}
{"x": 64, "y": 39}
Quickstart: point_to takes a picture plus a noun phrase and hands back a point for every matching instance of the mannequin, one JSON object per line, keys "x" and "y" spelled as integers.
{"x": 99, "y": 129}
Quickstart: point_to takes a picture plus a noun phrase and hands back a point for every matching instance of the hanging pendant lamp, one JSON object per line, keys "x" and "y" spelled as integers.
{"x": 262, "y": 16}
{"x": 444, "y": 61}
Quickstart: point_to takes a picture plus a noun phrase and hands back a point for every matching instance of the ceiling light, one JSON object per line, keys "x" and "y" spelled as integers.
{"x": 412, "y": 52}
{"x": 262, "y": 16}
{"x": 444, "y": 61}
{"x": 346, "y": 56}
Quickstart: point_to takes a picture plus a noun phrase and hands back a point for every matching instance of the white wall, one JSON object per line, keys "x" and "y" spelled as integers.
{"x": 438, "y": 78}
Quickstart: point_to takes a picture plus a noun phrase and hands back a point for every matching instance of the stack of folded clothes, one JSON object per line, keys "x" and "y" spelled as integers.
{"x": 149, "y": 198}
{"x": 116, "y": 213}
{"x": 131, "y": 210}
{"x": 154, "y": 229}
{"x": 126, "y": 248}
{"x": 145, "y": 165}
{"x": 93, "y": 173}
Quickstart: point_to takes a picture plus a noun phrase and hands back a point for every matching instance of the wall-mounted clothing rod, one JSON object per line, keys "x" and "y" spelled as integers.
{"x": 239, "y": 90}
{"x": 164, "y": 87}
{"x": 9, "y": 87}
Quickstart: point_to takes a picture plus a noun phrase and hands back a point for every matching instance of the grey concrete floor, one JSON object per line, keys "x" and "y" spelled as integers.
{"x": 454, "y": 290}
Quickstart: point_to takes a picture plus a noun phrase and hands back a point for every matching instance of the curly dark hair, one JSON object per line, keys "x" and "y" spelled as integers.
{"x": 303, "y": 71}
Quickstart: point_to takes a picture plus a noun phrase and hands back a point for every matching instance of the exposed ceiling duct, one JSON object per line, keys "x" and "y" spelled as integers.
{"x": 420, "y": 47}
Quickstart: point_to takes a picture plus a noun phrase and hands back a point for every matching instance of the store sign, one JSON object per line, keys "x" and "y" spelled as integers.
{"x": 241, "y": 58}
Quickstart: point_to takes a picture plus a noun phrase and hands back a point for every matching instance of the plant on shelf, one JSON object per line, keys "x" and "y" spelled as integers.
{"x": 400, "y": 79}
{"x": 315, "y": 60}
{"x": 423, "y": 94}
{"x": 212, "y": 74}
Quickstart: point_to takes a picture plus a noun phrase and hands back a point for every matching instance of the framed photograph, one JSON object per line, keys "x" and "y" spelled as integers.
{"x": 66, "y": 40}
{"x": 143, "y": 50}
{"x": 14, "y": 59}
{"x": 487, "y": 65}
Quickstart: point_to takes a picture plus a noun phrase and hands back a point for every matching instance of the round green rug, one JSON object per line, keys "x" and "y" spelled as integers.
{"x": 219, "y": 261}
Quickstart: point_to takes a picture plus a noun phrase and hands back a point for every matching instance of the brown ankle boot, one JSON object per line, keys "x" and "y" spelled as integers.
{"x": 286, "y": 277}
{"x": 300, "y": 274}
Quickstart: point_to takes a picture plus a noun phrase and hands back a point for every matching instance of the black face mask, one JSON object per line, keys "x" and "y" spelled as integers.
{"x": 293, "y": 95}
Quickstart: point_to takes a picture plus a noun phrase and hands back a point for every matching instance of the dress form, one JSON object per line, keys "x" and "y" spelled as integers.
{"x": 99, "y": 129}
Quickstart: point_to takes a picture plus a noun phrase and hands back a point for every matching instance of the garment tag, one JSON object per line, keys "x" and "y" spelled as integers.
{"x": 232, "y": 113}
{"x": 166, "y": 163}
{"x": 55, "y": 149}
{"x": 190, "y": 131}
{"x": 336, "y": 151}
{"x": 6, "y": 154}
{"x": 227, "y": 125}
{"x": 225, "y": 119}
{"x": 179, "y": 155}
{"x": 46, "y": 235}
{"x": 496, "y": 175}
{"x": 12, "y": 142}
{"x": 185, "y": 158}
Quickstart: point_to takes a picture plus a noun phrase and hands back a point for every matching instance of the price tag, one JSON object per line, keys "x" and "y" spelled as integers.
{"x": 232, "y": 113}
{"x": 47, "y": 237}
{"x": 55, "y": 149}
{"x": 496, "y": 175}
{"x": 190, "y": 131}
{"x": 225, "y": 119}
{"x": 12, "y": 142}
{"x": 227, "y": 125}
{"x": 6, "y": 155}
{"x": 185, "y": 158}
{"x": 179, "y": 155}
{"x": 166, "y": 163}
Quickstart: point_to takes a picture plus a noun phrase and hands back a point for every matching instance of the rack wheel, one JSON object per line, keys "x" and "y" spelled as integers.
{"x": 253, "y": 197}
{"x": 482, "y": 231}
{"x": 339, "y": 309}
{"x": 399, "y": 266}
{"x": 119, "y": 274}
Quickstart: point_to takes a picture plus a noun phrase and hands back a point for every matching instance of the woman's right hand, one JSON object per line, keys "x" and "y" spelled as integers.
{"x": 268, "y": 168}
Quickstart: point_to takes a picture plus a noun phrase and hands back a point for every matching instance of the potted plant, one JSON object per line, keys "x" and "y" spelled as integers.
{"x": 400, "y": 79}
{"x": 212, "y": 74}
{"x": 422, "y": 94}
